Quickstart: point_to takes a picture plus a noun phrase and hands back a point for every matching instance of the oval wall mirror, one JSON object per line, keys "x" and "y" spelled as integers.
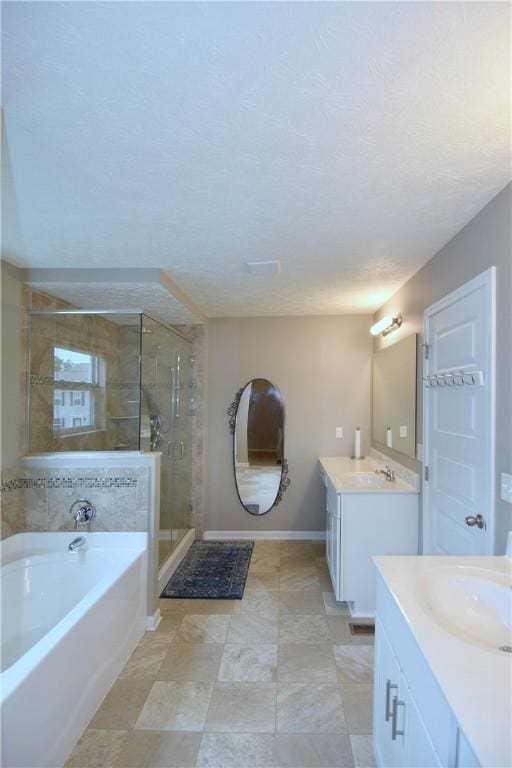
{"x": 257, "y": 424}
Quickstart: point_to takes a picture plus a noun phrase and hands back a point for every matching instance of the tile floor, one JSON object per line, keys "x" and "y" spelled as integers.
{"x": 274, "y": 679}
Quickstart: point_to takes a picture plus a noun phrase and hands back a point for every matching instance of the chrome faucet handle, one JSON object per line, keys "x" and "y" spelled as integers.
{"x": 388, "y": 473}
{"x": 83, "y": 512}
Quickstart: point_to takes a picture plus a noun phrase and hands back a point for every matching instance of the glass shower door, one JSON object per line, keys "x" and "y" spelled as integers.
{"x": 179, "y": 451}
{"x": 166, "y": 426}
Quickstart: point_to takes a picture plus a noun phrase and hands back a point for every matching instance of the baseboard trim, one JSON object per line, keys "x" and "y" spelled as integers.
{"x": 153, "y": 621}
{"x": 265, "y": 535}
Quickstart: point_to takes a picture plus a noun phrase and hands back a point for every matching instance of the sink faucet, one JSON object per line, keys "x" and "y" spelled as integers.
{"x": 84, "y": 513}
{"x": 388, "y": 473}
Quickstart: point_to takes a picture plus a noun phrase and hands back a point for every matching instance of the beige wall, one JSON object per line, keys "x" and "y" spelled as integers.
{"x": 11, "y": 363}
{"x": 484, "y": 242}
{"x": 322, "y": 365}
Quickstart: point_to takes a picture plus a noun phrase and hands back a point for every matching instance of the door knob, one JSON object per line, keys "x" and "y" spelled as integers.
{"x": 479, "y": 521}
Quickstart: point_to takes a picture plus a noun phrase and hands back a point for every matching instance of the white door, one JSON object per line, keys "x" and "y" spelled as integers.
{"x": 458, "y": 421}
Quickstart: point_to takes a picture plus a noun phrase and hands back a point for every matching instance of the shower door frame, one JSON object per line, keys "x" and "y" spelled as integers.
{"x": 183, "y": 542}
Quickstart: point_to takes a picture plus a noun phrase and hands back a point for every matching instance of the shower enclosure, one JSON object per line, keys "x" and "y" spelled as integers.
{"x": 115, "y": 381}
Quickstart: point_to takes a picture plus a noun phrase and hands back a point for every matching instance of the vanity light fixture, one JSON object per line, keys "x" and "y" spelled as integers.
{"x": 386, "y": 325}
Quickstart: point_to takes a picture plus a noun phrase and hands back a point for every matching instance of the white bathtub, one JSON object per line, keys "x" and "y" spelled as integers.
{"x": 70, "y": 620}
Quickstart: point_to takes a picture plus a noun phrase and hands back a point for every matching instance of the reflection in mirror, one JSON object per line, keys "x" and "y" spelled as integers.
{"x": 258, "y": 444}
{"x": 394, "y": 396}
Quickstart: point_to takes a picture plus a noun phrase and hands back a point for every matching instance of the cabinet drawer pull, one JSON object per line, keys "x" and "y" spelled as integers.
{"x": 394, "y": 730}
{"x": 389, "y": 686}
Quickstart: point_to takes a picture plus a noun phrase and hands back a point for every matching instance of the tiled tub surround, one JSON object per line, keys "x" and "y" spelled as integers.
{"x": 123, "y": 486}
{"x": 38, "y": 499}
{"x": 275, "y": 679}
{"x": 11, "y": 502}
{"x": 63, "y": 648}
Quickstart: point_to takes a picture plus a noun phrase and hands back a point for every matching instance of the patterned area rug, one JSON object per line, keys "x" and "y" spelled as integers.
{"x": 211, "y": 569}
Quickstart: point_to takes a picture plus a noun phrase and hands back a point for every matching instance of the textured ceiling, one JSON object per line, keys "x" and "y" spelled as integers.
{"x": 348, "y": 140}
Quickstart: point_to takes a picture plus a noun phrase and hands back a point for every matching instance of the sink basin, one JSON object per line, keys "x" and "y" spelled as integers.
{"x": 366, "y": 480}
{"x": 471, "y": 603}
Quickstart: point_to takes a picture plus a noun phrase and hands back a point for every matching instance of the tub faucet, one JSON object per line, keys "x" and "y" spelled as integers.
{"x": 388, "y": 473}
{"x": 83, "y": 513}
{"x": 76, "y": 544}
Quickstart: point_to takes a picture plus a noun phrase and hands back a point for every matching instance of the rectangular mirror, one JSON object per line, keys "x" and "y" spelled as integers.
{"x": 394, "y": 396}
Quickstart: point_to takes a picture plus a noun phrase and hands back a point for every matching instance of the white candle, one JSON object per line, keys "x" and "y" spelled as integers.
{"x": 389, "y": 437}
{"x": 357, "y": 447}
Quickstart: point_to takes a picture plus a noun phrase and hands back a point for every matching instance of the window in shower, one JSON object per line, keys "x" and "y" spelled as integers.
{"x": 79, "y": 391}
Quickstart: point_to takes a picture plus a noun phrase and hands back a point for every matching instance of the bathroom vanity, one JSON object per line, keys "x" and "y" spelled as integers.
{"x": 366, "y": 515}
{"x": 443, "y": 676}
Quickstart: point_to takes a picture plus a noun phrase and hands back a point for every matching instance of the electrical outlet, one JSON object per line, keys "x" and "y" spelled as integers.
{"x": 339, "y": 432}
{"x": 506, "y": 487}
{"x": 403, "y": 431}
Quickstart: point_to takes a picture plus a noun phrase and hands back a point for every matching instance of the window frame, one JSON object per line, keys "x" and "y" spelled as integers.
{"x": 96, "y": 388}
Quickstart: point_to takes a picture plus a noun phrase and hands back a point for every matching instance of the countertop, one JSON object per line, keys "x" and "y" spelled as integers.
{"x": 476, "y": 681}
{"x": 341, "y": 469}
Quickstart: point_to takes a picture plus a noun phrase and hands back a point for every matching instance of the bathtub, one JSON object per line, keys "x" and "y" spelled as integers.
{"x": 70, "y": 620}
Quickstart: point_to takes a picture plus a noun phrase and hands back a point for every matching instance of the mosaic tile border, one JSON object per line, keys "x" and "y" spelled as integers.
{"x": 50, "y": 381}
{"x": 68, "y": 482}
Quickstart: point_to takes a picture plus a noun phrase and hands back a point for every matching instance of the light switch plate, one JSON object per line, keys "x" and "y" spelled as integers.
{"x": 339, "y": 431}
{"x": 403, "y": 431}
{"x": 506, "y": 487}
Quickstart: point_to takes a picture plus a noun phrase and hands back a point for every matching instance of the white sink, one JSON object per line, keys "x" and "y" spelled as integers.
{"x": 472, "y": 603}
{"x": 366, "y": 480}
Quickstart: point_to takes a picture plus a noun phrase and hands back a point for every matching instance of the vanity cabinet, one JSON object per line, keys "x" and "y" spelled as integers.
{"x": 413, "y": 725}
{"x": 361, "y": 524}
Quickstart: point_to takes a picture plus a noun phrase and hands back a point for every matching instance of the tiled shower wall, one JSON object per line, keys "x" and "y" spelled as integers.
{"x": 40, "y": 499}
{"x": 30, "y": 299}
{"x": 118, "y": 346}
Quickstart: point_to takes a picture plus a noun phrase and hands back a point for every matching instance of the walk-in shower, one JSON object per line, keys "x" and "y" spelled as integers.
{"x": 115, "y": 381}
